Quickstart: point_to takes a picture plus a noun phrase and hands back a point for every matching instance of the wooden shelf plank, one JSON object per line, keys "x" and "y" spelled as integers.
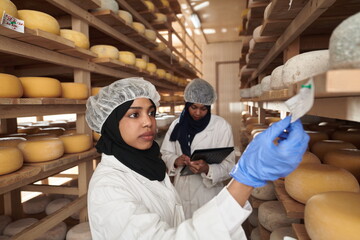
{"x": 79, "y": 53}
{"x": 300, "y": 231}
{"x": 88, "y": 4}
{"x": 39, "y": 101}
{"x": 113, "y": 63}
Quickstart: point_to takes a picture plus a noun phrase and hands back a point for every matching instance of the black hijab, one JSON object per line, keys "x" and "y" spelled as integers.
{"x": 145, "y": 162}
{"x": 186, "y": 129}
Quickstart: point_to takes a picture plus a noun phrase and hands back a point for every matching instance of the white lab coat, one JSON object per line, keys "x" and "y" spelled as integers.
{"x": 123, "y": 204}
{"x": 197, "y": 189}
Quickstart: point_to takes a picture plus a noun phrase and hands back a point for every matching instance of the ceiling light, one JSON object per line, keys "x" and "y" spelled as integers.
{"x": 201, "y": 6}
{"x": 195, "y": 20}
{"x": 209, "y": 31}
{"x": 223, "y": 30}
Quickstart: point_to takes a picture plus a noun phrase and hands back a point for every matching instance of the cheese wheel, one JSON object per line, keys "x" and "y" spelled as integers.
{"x": 95, "y": 90}
{"x": 19, "y": 225}
{"x": 255, "y": 234}
{"x": 41, "y": 87}
{"x": 56, "y": 204}
{"x": 11, "y": 86}
{"x": 272, "y": 215}
{"x": 160, "y": 18}
{"x": 127, "y": 57}
{"x": 40, "y": 136}
{"x": 11, "y": 159}
{"x": 280, "y": 233}
{"x": 312, "y": 178}
{"x": 9, "y": 8}
{"x": 161, "y": 46}
{"x": 150, "y": 34}
{"x": 105, "y": 51}
{"x": 168, "y": 76}
{"x": 165, "y": 3}
{"x": 348, "y": 159}
{"x": 72, "y": 90}
{"x": 126, "y": 16}
{"x": 151, "y": 67}
{"x": 160, "y": 73}
{"x": 276, "y": 82}
{"x": 253, "y": 218}
{"x": 140, "y": 63}
{"x": 75, "y": 143}
{"x": 96, "y": 136}
{"x": 267, "y": 11}
{"x": 320, "y": 148}
{"x": 80, "y": 40}
{"x": 351, "y": 137}
{"x": 309, "y": 157}
{"x": 79, "y": 231}
{"x": 57, "y": 131}
{"x": 36, "y": 204}
{"x": 4, "y": 221}
{"x": 56, "y": 233}
{"x": 11, "y": 141}
{"x": 266, "y": 83}
{"x": 245, "y": 93}
{"x": 39, "y": 20}
{"x": 255, "y": 90}
{"x": 333, "y": 216}
{"x": 256, "y": 33}
{"x": 266, "y": 192}
{"x": 139, "y": 27}
{"x": 344, "y": 44}
{"x": 316, "y": 136}
{"x": 150, "y": 6}
{"x": 107, "y": 5}
{"x": 305, "y": 65}
{"x": 59, "y": 123}
{"x": 41, "y": 150}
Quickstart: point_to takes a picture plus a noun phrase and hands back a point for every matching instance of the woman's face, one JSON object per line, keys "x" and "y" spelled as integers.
{"x": 138, "y": 126}
{"x": 197, "y": 111}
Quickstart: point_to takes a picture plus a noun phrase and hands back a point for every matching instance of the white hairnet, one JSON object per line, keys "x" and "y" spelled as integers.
{"x": 99, "y": 107}
{"x": 200, "y": 91}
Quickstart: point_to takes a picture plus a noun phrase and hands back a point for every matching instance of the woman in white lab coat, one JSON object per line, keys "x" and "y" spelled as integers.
{"x": 197, "y": 129}
{"x": 130, "y": 195}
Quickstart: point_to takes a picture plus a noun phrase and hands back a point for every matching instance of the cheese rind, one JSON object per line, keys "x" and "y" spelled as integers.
{"x": 9, "y": 7}
{"x": 150, "y": 34}
{"x": 139, "y": 27}
{"x": 11, "y": 141}
{"x": 140, "y": 63}
{"x": 79, "y": 231}
{"x": 11, "y": 86}
{"x": 4, "y": 221}
{"x": 320, "y": 148}
{"x": 39, "y": 20}
{"x": 19, "y": 225}
{"x": 105, "y": 51}
{"x": 11, "y": 159}
{"x": 126, "y": 16}
{"x": 107, "y": 5}
{"x": 151, "y": 67}
{"x": 42, "y": 150}
{"x": 79, "y": 91}
{"x": 36, "y": 204}
{"x": 41, "y": 87}
{"x": 160, "y": 18}
{"x": 75, "y": 143}
{"x": 127, "y": 57}
{"x": 80, "y": 40}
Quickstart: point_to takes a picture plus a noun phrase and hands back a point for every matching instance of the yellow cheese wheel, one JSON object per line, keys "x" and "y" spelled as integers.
{"x": 105, "y": 51}
{"x": 95, "y": 90}
{"x": 80, "y": 40}
{"x": 309, "y": 157}
{"x": 139, "y": 27}
{"x": 165, "y": 3}
{"x": 140, "y": 63}
{"x": 11, "y": 86}
{"x": 160, "y": 73}
{"x": 333, "y": 216}
{"x": 53, "y": 130}
{"x": 9, "y": 7}
{"x": 11, "y": 141}
{"x": 75, "y": 143}
{"x": 126, "y": 16}
{"x": 347, "y": 136}
{"x": 127, "y": 57}
{"x": 150, "y": 34}
{"x": 160, "y": 46}
{"x": 96, "y": 136}
{"x": 150, "y": 6}
{"x": 74, "y": 90}
{"x": 42, "y": 150}
{"x": 348, "y": 159}
{"x": 11, "y": 159}
{"x": 39, "y": 20}
{"x": 313, "y": 178}
{"x": 160, "y": 18}
{"x": 151, "y": 67}
{"x": 316, "y": 136}
{"x": 320, "y": 148}
{"x": 168, "y": 76}
{"x": 41, "y": 87}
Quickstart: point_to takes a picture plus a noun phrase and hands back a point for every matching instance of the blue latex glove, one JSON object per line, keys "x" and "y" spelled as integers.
{"x": 264, "y": 161}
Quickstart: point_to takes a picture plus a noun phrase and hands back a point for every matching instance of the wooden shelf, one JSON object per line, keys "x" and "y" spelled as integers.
{"x": 300, "y": 231}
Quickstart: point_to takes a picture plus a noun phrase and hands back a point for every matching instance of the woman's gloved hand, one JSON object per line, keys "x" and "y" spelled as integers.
{"x": 264, "y": 161}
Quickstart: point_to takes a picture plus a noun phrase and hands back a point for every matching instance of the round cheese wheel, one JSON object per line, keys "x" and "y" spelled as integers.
{"x": 160, "y": 73}
{"x": 309, "y": 157}
{"x": 346, "y": 136}
{"x": 11, "y": 160}
{"x": 127, "y": 57}
{"x": 11, "y": 141}
{"x": 126, "y": 16}
{"x": 19, "y": 225}
{"x": 42, "y": 150}
{"x": 105, "y": 51}
{"x": 267, "y": 11}
{"x": 348, "y": 159}
{"x": 165, "y": 3}
{"x": 72, "y": 90}
{"x": 9, "y": 8}
{"x": 36, "y": 204}
{"x": 276, "y": 82}
{"x": 245, "y": 93}
{"x": 139, "y": 27}
{"x": 107, "y": 5}
{"x": 79, "y": 231}
{"x": 150, "y": 6}
{"x": 39, "y": 20}
{"x": 151, "y": 67}
{"x": 161, "y": 46}
{"x": 333, "y": 215}
{"x": 96, "y": 136}
{"x": 280, "y": 233}
{"x": 140, "y": 63}
{"x": 266, "y": 192}
{"x": 57, "y": 131}
{"x": 95, "y": 90}
{"x": 75, "y": 143}
{"x": 56, "y": 233}
{"x": 256, "y": 32}
{"x": 316, "y": 136}
{"x": 320, "y": 148}
{"x": 40, "y": 136}
{"x": 11, "y": 86}
{"x": 56, "y": 204}
{"x": 59, "y": 123}
{"x": 41, "y": 87}
{"x": 255, "y": 234}
{"x": 168, "y": 76}
{"x": 310, "y": 179}
{"x": 265, "y": 83}
{"x": 253, "y": 218}
{"x": 272, "y": 215}
{"x": 160, "y": 18}
{"x": 80, "y": 40}
{"x": 150, "y": 34}
{"x": 4, "y": 221}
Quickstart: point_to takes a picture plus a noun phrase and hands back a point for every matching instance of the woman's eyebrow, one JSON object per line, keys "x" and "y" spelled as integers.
{"x": 135, "y": 107}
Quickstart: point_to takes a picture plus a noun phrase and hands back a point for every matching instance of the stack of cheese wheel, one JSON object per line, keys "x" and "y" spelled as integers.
{"x": 75, "y": 143}
{"x": 150, "y": 35}
{"x": 150, "y": 6}
{"x": 36, "y": 204}
{"x": 72, "y": 90}
{"x": 348, "y": 159}
{"x": 39, "y": 20}
{"x": 320, "y": 148}
{"x": 161, "y": 46}
{"x": 265, "y": 193}
{"x": 42, "y": 150}
{"x": 79, "y": 231}
{"x": 105, "y": 51}
{"x": 9, "y": 7}
{"x": 19, "y": 225}
{"x": 11, "y": 86}
{"x": 316, "y": 136}
{"x": 313, "y": 178}
{"x": 165, "y": 3}
{"x": 41, "y": 87}
{"x": 107, "y": 5}
{"x": 80, "y": 40}
{"x": 151, "y": 67}
{"x": 168, "y": 76}
{"x": 160, "y": 73}
{"x": 139, "y": 27}
{"x": 160, "y": 18}
{"x": 140, "y": 63}
{"x": 11, "y": 159}
{"x": 11, "y": 141}
{"x": 4, "y": 221}
{"x": 56, "y": 204}
{"x": 126, "y": 16}
{"x": 347, "y": 136}
{"x": 127, "y": 57}
{"x": 333, "y": 216}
